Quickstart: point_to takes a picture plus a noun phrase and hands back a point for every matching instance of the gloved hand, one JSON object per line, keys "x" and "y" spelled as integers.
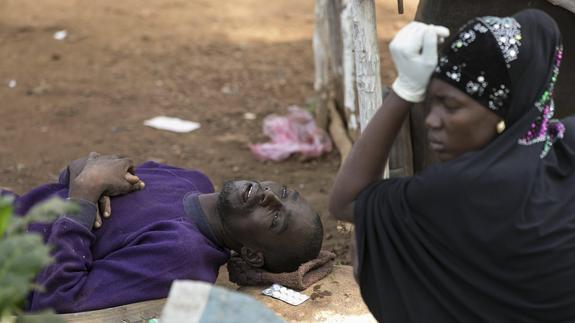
{"x": 414, "y": 51}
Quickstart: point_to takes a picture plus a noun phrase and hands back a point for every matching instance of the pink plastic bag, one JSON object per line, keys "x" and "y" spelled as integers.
{"x": 294, "y": 133}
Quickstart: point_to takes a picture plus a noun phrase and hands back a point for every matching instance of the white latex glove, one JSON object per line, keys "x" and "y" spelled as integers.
{"x": 414, "y": 51}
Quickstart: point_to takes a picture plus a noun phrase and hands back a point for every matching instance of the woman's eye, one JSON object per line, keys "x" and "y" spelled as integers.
{"x": 449, "y": 107}
{"x": 448, "y": 104}
{"x": 275, "y": 220}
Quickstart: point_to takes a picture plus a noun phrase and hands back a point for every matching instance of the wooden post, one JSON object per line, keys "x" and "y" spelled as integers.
{"x": 321, "y": 62}
{"x": 367, "y": 69}
{"x": 349, "y": 85}
{"x": 348, "y": 76}
{"x": 367, "y": 63}
{"x": 327, "y": 48}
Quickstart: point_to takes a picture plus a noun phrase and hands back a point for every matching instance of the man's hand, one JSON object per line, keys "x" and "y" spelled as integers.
{"x": 96, "y": 178}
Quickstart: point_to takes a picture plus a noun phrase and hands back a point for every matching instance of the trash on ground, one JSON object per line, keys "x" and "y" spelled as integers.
{"x": 196, "y": 301}
{"x": 250, "y": 116}
{"x": 172, "y": 124}
{"x": 60, "y": 35}
{"x": 285, "y": 294}
{"x": 294, "y": 133}
{"x": 12, "y": 83}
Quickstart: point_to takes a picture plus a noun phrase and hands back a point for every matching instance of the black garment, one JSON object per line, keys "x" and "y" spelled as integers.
{"x": 488, "y": 236}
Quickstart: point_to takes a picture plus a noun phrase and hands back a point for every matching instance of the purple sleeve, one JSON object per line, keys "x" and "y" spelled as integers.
{"x": 5, "y": 192}
{"x": 141, "y": 270}
{"x": 71, "y": 238}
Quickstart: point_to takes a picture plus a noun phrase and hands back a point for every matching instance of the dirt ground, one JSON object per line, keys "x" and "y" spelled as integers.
{"x": 126, "y": 61}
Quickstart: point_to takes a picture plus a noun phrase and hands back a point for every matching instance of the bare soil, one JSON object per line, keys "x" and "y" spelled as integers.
{"x": 126, "y": 61}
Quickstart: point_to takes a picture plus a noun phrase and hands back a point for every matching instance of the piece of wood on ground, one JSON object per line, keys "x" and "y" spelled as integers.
{"x": 137, "y": 312}
{"x": 338, "y": 133}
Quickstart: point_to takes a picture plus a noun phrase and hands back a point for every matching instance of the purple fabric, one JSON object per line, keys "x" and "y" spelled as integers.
{"x": 6, "y": 193}
{"x": 147, "y": 243}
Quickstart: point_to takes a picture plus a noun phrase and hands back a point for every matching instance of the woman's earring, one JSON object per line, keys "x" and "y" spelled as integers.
{"x": 500, "y": 127}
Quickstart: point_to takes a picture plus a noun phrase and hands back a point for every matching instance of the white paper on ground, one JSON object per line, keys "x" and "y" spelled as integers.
{"x": 60, "y": 35}
{"x": 172, "y": 124}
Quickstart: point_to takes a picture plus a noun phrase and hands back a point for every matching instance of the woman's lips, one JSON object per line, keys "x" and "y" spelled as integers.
{"x": 436, "y": 145}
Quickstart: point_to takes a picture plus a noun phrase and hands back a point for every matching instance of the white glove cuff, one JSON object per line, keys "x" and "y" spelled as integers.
{"x": 403, "y": 91}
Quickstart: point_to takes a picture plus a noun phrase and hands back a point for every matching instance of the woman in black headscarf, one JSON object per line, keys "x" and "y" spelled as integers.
{"x": 488, "y": 234}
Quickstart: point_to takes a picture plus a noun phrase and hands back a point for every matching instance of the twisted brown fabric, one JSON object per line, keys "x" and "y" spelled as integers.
{"x": 306, "y": 275}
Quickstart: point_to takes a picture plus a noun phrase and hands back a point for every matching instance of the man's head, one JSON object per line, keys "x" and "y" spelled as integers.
{"x": 276, "y": 228}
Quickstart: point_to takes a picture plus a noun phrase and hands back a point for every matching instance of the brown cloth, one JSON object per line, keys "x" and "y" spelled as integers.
{"x": 306, "y": 275}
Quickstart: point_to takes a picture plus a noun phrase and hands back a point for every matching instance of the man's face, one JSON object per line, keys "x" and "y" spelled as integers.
{"x": 264, "y": 215}
{"x": 456, "y": 123}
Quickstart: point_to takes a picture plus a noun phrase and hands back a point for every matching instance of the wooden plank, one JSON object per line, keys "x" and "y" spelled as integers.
{"x": 137, "y": 312}
{"x": 338, "y": 133}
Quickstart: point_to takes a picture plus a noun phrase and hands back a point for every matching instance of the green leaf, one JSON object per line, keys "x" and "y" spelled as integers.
{"x": 50, "y": 209}
{"x": 42, "y": 317}
{"x": 23, "y": 256}
{"x": 6, "y": 210}
{"x": 44, "y": 212}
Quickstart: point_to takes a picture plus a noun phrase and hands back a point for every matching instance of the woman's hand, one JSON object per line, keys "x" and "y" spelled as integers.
{"x": 414, "y": 51}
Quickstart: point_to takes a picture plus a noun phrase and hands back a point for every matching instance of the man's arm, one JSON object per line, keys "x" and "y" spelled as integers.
{"x": 71, "y": 239}
{"x": 71, "y": 236}
{"x": 414, "y": 50}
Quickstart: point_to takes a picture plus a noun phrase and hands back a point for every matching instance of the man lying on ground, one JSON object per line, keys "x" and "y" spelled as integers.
{"x": 176, "y": 227}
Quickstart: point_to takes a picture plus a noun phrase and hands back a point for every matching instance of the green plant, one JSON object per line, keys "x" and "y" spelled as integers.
{"x": 23, "y": 254}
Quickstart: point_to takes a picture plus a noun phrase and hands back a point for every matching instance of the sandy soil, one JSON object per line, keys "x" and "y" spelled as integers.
{"x": 126, "y": 61}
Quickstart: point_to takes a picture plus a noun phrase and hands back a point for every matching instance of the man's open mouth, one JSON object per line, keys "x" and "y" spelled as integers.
{"x": 249, "y": 192}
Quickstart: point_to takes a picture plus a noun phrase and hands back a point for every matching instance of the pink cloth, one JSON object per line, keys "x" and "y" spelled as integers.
{"x": 294, "y": 133}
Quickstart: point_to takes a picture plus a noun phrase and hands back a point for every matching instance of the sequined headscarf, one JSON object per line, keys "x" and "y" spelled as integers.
{"x": 481, "y": 59}
{"x": 488, "y": 236}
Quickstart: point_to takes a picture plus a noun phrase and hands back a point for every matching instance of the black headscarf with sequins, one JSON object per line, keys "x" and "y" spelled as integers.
{"x": 490, "y": 235}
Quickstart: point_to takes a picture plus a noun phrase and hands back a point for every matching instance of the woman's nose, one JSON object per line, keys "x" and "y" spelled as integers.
{"x": 270, "y": 199}
{"x": 433, "y": 119}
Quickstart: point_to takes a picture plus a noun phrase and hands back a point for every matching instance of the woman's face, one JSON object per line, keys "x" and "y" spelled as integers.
{"x": 456, "y": 123}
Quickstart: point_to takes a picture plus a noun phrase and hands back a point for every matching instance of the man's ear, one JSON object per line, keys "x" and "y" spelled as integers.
{"x": 252, "y": 257}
